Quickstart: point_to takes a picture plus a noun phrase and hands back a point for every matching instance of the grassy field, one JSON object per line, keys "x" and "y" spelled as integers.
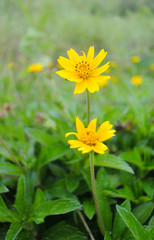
{"x": 45, "y": 186}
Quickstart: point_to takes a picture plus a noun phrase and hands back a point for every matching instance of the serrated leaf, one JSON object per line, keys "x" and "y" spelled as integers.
{"x": 133, "y": 156}
{"x": 107, "y": 236}
{"x": 111, "y": 161}
{"x": 54, "y": 208}
{"x": 72, "y": 182}
{"x": 133, "y": 224}
{"x": 105, "y": 209}
{"x": 3, "y": 189}
{"x": 20, "y": 201}
{"x": 10, "y": 169}
{"x": 5, "y": 214}
{"x": 119, "y": 226}
{"x": 63, "y": 231}
{"x": 14, "y": 230}
{"x": 89, "y": 208}
{"x": 41, "y": 136}
{"x": 143, "y": 211}
{"x": 53, "y": 153}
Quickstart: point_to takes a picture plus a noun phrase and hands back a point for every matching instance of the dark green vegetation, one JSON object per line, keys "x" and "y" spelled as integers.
{"x": 43, "y": 196}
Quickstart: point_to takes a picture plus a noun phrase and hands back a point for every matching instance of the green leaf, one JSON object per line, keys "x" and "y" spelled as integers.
{"x": 53, "y": 153}
{"x": 53, "y": 208}
{"x": 119, "y": 225}
{"x": 3, "y": 189}
{"x": 14, "y": 230}
{"x": 111, "y": 161}
{"x": 72, "y": 182}
{"x": 143, "y": 211}
{"x": 133, "y": 156}
{"x": 63, "y": 231}
{"x": 105, "y": 210}
{"x": 10, "y": 169}
{"x": 20, "y": 202}
{"x": 132, "y": 223}
{"x": 5, "y": 214}
{"x": 5, "y": 153}
{"x": 107, "y": 236}
{"x": 89, "y": 208}
{"x": 39, "y": 199}
{"x": 42, "y": 137}
{"x": 25, "y": 193}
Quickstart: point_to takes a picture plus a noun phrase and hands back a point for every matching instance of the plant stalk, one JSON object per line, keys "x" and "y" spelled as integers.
{"x": 86, "y": 225}
{"x": 11, "y": 154}
{"x": 92, "y": 171}
{"x": 91, "y": 156}
{"x": 88, "y": 107}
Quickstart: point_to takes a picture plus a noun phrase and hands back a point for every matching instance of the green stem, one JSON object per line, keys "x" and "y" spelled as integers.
{"x": 88, "y": 107}
{"x": 91, "y": 156}
{"x": 85, "y": 225}
{"x": 13, "y": 157}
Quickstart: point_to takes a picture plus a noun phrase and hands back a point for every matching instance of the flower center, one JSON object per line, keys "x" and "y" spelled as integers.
{"x": 83, "y": 69}
{"x": 88, "y": 137}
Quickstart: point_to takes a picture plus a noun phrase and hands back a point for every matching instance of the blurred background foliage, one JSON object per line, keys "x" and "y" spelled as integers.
{"x": 36, "y": 28}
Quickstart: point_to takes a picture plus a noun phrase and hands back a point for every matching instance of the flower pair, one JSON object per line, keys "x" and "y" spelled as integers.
{"x": 83, "y": 70}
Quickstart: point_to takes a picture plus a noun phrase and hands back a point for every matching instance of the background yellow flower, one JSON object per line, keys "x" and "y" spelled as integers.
{"x": 35, "y": 68}
{"x": 135, "y": 59}
{"x": 136, "y": 80}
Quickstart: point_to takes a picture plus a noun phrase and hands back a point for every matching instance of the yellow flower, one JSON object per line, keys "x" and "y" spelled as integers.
{"x": 90, "y": 140}
{"x": 83, "y": 69}
{"x": 151, "y": 66}
{"x": 135, "y": 59}
{"x": 35, "y": 67}
{"x": 136, "y": 80}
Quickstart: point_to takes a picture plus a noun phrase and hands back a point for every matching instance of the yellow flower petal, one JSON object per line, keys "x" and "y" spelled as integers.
{"x": 92, "y": 85}
{"x": 92, "y": 125}
{"x": 73, "y": 56}
{"x": 65, "y": 63}
{"x": 79, "y": 125}
{"x": 99, "y": 79}
{"x": 80, "y": 87}
{"x": 100, "y": 148}
{"x": 85, "y": 148}
{"x": 68, "y": 75}
{"x": 90, "y": 54}
{"x": 107, "y": 135}
{"x": 106, "y": 126}
{"x": 70, "y": 133}
{"x": 101, "y": 69}
{"x": 98, "y": 59}
{"x": 75, "y": 143}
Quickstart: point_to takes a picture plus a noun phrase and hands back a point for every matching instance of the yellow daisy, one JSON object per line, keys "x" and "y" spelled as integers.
{"x": 35, "y": 67}
{"x": 136, "y": 80}
{"x": 135, "y": 59}
{"x": 151, "y": 66}
{"x": 89, "y": 139}
{"x": 83, "y": 69}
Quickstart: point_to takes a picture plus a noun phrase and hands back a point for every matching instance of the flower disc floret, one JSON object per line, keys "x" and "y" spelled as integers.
{"x": 88, "y": 139}
{"x": 83, "y": 69}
